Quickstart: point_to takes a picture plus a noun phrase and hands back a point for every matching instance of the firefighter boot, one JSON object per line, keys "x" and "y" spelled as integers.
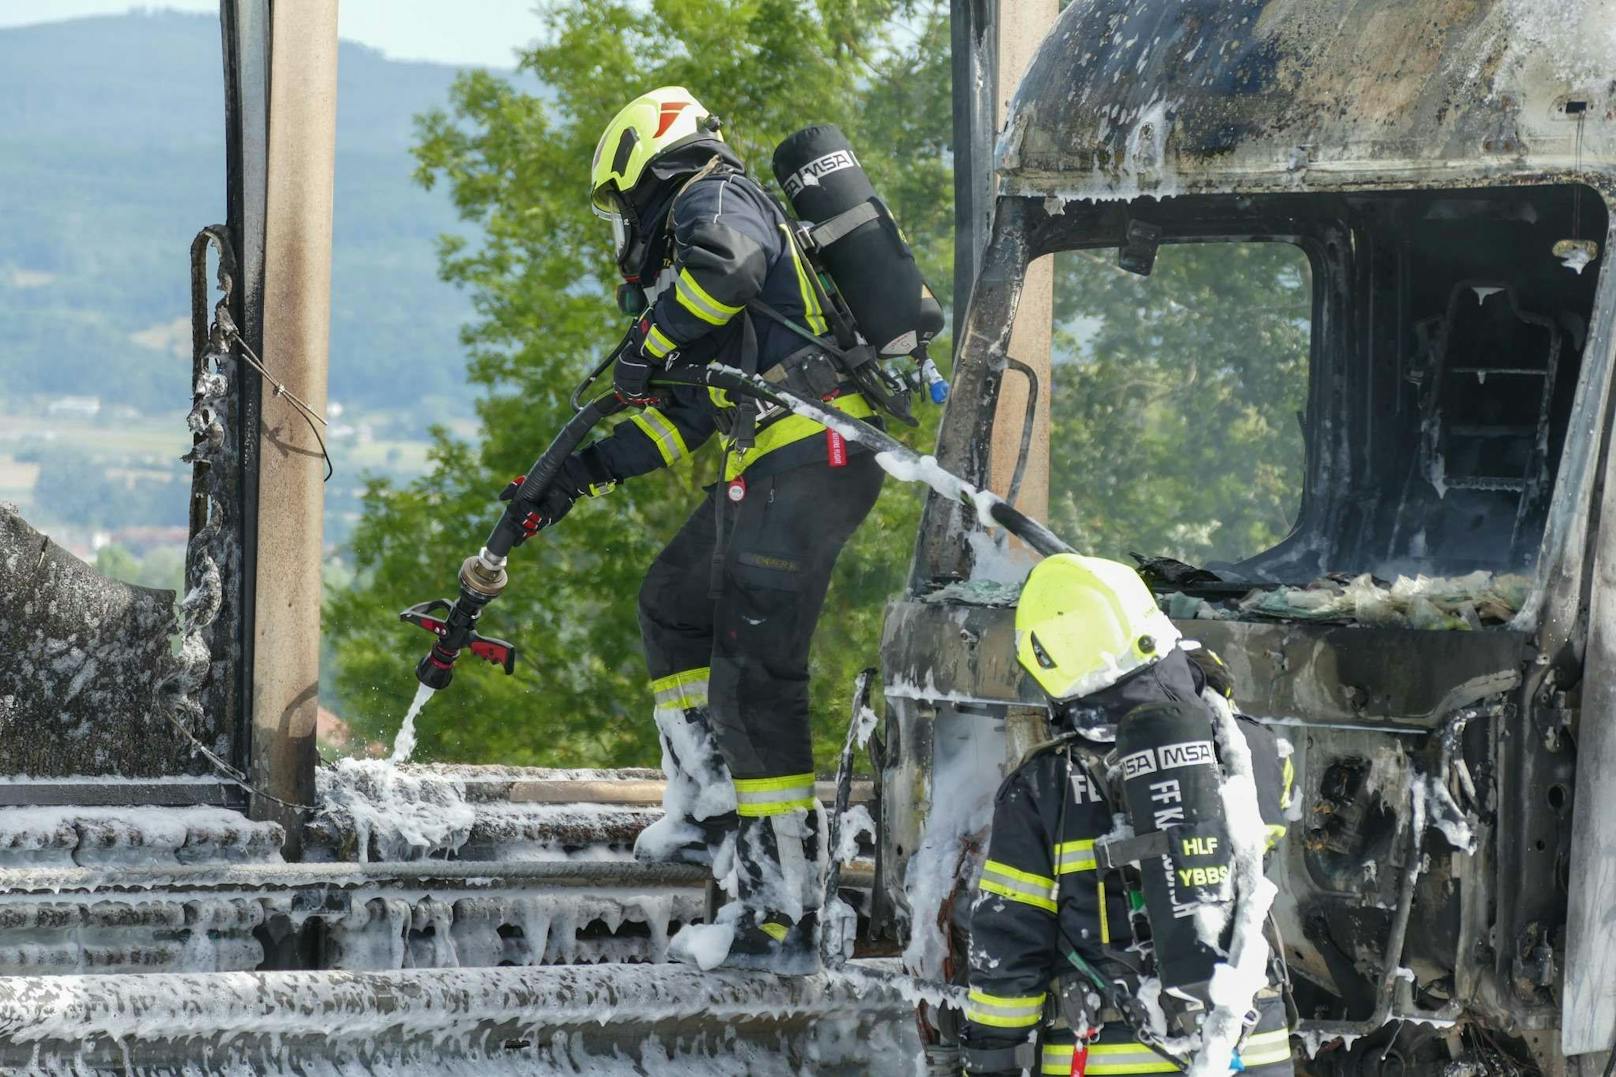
{"x": 698, "y": 801}
{"x": 779, "y": 879}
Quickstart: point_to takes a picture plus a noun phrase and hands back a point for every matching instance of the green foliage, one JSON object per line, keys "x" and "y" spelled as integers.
{"x": 539, "y": 275}
{"x": 1177, "y": 400}
{"x": 163, "y": 567}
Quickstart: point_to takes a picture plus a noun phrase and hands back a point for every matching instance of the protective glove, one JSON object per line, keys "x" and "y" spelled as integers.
{"x": 1213, "y": 670}
{"x": 582, "y": 473}
{"x": 632, "y": 377}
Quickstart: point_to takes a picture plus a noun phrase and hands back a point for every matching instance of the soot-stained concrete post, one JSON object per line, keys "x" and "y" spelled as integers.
{"x": 297, "y": 319}
{"x": 1022, "y": 25}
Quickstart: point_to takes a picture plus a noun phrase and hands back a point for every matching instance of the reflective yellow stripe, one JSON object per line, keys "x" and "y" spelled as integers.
{"x": 790, "y": 429}
{"x": 757, "y": 797}
{"x": 1057, "y": 1058}
{"x": 777, "y": 807}
{"x": 682, "y": 690}
{"x": 1073, "y": 856}
{"x": 1132, "y": 1057}
{"x": 774, "y": 785}
{"x": 1016, "y": 894}
{"x": 1017, "y": 885}
{"x": 777, "y": 932}
{"x": 670, "y": 444}
{"x": 810, "y": 301}
{"x": 1112, "y": 1058}
{"x": 657, "y": 343}
{"x": 1275, "y": 832}
{"x": 998, "y": 867}
{"x": 696, "y": 299}
{"x": 1000, "y": 1011}
{"x": 1262, "y": 1048}
{"x": 1287, "y": 780}
{"x": 1105, "y": 921}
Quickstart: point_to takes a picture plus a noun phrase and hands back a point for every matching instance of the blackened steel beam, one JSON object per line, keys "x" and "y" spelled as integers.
{"x": 974, "y": 44}
{"x": 245, "y": 32}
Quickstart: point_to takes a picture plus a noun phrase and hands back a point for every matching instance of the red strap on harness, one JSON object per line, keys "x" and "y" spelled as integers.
{"x": 1080, "y": 1052}
{"x": 835, "y": 448}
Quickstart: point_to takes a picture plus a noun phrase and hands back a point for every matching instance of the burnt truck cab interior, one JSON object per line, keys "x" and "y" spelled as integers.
{"x": 1419, "y": 616}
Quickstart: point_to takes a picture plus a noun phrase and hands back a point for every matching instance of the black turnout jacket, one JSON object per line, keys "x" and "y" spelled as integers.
{"x": 719, "y": 242}
{"x": 1020, "y": 918}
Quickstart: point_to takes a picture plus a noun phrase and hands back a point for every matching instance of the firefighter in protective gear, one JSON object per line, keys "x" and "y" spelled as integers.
{"x": 728, "y": 608}
{"x": 1091, "y": 635}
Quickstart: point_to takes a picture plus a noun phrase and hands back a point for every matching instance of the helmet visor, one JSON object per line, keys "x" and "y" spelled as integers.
{"x": 608, "y": 202}
{"x": 621, "y": 236}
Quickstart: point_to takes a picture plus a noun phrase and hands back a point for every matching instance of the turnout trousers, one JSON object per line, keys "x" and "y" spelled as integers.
{"x": 749, "y": 644}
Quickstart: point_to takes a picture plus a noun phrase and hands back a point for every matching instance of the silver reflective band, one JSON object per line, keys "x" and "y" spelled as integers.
{"x": 683, "y": 696}
{"x": 775, "y": 796}
{"x": 1126, "y": 1058}
{"x": 840, "y": 225}
{"x": 978, "y": 1006}
{"x": 997, "y": 1011}
{"x": 670, "y": 446}
{"x": 1021, "y": 886}
{"x": 703, "y": 309}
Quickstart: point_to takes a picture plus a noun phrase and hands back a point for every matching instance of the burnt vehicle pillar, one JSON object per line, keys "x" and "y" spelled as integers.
{"x": 292, "y": 460}
{"x": 1588, "y": 998}
{"x": 1020, "y": 453}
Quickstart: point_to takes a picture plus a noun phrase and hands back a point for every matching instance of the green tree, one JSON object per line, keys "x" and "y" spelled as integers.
{"x": 539, "y": 277}
{"x": 1177, "y": 400}
{"x": 162, "y": 567}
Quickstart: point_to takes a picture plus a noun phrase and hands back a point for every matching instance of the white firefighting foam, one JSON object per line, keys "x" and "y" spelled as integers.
{"x": 1235, "y": 983}
{"x": 404, "y": 743}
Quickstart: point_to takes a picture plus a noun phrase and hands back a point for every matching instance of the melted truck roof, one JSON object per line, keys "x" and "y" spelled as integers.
{"x": 1173, "y": 96}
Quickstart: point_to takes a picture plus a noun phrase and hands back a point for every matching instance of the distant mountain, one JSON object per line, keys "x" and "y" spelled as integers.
{"x": 111, "y": 159}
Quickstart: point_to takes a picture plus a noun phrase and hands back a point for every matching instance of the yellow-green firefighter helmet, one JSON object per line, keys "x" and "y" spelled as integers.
{"x": 647, "y": 126}
{"x": 1084, "y": 623}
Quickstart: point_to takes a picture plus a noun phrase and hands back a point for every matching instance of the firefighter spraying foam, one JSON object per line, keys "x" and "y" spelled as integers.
{"x": 1101, "y": 949}
{"x": 815, "y": 304}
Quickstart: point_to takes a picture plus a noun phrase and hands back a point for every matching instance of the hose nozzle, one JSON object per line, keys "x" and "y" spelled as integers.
{"x": 434, "y": 671}
{"x": 456, "y": 630}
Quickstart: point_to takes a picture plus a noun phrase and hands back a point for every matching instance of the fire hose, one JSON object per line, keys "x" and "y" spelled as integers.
{"x": 483, "y": 576}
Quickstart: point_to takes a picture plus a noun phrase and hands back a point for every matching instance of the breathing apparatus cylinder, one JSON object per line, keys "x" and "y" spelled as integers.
{"x": 857, "y": 241}
{"x": 1171, "y": 781}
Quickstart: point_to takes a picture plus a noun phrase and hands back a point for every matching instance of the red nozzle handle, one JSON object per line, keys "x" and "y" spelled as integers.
{"x": 496, "y": 651}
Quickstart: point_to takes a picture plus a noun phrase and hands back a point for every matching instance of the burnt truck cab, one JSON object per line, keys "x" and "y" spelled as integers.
{"x": 1440, "y": 175}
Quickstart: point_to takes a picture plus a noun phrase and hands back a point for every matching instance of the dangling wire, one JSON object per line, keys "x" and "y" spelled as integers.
{"x": 232, "y": 335}
{"x": 302, "y": 407}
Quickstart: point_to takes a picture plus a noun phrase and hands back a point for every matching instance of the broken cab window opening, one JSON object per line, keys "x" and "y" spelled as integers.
{"x": 1175, "y": 399}
{"x": 1311, "y": 386}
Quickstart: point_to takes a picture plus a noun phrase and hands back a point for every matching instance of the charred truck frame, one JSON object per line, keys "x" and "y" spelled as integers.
{"x": 1446, "y": 169}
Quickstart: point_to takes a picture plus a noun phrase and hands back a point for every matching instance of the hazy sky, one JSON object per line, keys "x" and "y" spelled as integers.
{"x": 449, "y": 31}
